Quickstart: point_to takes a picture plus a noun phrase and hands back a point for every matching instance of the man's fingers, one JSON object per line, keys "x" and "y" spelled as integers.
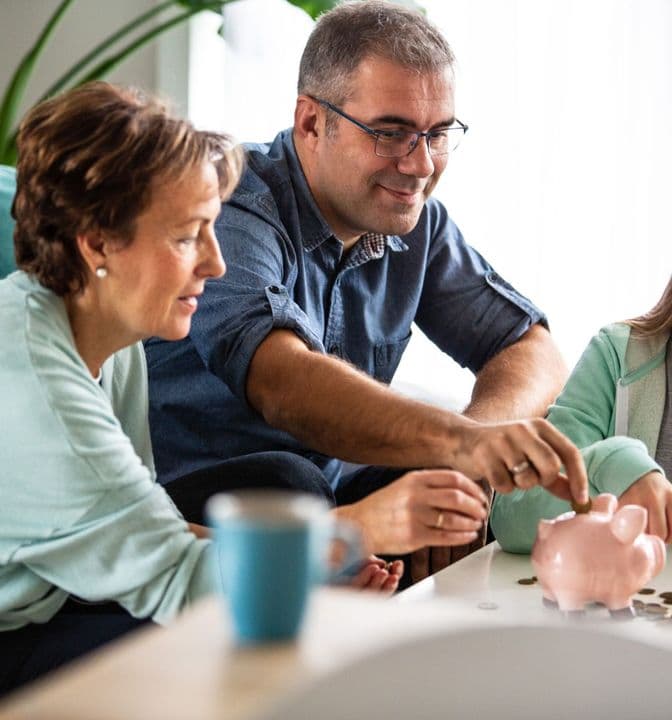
{"x": 560, "y": 488}
{"x": 571, "y": 459}
{"x": 450, "y": 501}
{"x": 499, "y": 476}
{"x": 443, "y": 538}
{"x": 445, "y": 479}
{"x": 524, "y": 475}
{"x": 438, "y": 519}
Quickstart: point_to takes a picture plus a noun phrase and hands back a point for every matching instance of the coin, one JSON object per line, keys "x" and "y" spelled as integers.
{"x": 646, "y": 591}
{"x": 526, "y": 581}
{"x": 582, "y": 508}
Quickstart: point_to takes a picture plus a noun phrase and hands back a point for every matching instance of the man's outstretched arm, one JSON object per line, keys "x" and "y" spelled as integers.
{"x": 337, "y": 410}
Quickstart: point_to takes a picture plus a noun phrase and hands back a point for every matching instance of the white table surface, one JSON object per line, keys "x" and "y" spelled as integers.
{"x": 193, "y": 670}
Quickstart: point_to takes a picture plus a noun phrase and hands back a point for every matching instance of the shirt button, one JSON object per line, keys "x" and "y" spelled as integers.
{"x": 274, "y": 289}
{"x": 333, "y": 350}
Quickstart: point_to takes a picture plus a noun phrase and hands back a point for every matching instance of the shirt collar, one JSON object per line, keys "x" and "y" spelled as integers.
{"x": 314, "y": 228}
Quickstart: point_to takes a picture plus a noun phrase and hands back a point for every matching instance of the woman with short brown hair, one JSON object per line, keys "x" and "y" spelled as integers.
{"x": 115, "y": 206}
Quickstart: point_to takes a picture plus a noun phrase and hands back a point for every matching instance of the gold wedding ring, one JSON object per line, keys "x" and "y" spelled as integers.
{"x": 439, "y": 520}
{"x": 521, "y": 467}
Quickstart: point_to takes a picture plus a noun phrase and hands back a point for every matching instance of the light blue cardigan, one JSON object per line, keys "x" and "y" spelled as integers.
{"x": 80, "y": 511}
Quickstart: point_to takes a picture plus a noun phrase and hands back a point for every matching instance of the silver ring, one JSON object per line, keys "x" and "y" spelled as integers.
{"x": 521, "y": 467}
{"x": 439, "y": 520}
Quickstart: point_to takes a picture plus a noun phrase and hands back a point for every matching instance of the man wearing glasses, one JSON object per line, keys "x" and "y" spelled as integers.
{"x": 334, "y": 248}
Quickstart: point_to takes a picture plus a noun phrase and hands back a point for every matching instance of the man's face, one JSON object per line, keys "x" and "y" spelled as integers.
{"x": 356, "y": 190}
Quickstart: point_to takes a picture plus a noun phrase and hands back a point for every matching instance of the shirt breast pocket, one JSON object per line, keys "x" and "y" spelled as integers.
{"x": 387, "y": 357}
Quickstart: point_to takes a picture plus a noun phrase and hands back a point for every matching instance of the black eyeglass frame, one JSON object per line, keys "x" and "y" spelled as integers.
{"x": 376, "y": 134}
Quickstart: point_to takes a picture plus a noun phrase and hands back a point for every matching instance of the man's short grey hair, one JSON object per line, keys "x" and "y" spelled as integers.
{"x": 352, "y": 31}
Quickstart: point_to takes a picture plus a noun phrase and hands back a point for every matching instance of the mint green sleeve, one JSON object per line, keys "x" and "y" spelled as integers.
{"x": 584, "y": 412}
{"x": 81, "y": 513}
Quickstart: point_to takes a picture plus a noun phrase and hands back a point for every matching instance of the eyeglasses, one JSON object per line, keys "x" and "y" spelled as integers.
{"x": 398, "y": 143}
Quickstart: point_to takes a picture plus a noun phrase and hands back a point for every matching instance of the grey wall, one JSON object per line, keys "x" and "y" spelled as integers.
{"x": 85, "y": 23}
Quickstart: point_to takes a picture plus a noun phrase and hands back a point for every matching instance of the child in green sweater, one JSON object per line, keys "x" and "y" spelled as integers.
{"x": 616, "y": 407}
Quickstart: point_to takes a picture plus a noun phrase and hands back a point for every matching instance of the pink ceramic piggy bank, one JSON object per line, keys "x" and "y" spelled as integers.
{"x": 601, "y": 556}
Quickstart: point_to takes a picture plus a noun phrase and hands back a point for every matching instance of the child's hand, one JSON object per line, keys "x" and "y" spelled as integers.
{"x": 379, "y": 576}
{"x": 654, "y": 493}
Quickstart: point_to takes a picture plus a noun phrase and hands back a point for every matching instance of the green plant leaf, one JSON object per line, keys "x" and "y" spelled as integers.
{"x": 111, "y": 62}
{"x": 95, "y": 53}
{"x": 14, "y": 94}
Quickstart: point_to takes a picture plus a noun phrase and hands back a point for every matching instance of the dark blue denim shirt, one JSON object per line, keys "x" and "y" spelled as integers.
{"x": 285, "y": 269}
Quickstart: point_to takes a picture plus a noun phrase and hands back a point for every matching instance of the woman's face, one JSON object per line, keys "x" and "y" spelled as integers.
{"x": 153, "y": 284}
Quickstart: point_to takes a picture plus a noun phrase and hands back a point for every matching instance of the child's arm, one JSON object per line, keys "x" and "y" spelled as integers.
{"x": 584, "y": 412}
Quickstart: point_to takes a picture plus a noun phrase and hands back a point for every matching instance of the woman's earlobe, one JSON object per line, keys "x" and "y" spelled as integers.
{"x": 91, "y": 247}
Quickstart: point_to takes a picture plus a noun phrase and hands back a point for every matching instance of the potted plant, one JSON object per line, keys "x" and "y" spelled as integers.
{"x": 96, "y": 64}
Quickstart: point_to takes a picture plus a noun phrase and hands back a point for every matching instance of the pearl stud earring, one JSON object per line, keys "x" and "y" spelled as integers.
{"x": 101, "y": 272}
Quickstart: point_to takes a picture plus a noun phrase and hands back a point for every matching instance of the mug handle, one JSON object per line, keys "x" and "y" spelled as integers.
{"x": 350, "y": 536}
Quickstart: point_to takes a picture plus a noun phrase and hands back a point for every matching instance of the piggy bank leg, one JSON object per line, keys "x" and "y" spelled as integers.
{"x": 620, "y": 608}
{"x": 552, "y": 604}
{"x": 571, "y": 603}
{"x": 548, "y": 596}
{"x": 626, "y": 613}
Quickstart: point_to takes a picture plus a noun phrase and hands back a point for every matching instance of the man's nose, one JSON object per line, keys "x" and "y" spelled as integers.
{"x": 418, "y": 162}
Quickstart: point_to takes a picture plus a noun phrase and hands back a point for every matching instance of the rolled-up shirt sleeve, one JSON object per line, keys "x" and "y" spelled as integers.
{"x": 466, "y": 308}
{"x": 238, "y": 311}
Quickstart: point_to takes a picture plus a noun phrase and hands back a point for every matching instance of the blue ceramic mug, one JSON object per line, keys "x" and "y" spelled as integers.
{"x": 272, "y": 546}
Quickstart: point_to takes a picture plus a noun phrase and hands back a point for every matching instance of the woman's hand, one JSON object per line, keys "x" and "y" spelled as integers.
{"x": 654, "y": 493}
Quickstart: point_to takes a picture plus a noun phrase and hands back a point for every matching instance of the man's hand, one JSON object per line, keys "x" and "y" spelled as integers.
{"x": 654, "y": 493}
{"x": 523, "y": 454}
{"x": 421, "y": 508}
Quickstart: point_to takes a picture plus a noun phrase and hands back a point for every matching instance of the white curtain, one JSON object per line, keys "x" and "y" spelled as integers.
{"x": 563, "y": 179}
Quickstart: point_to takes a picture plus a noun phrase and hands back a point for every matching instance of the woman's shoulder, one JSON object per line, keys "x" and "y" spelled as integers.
{"x": 634, "y": 351}
{"x": 617, "y": 333}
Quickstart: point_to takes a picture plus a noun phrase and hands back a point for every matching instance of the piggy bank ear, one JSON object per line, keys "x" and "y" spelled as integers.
{"x": 606, "y": 503}
{"x": 628, "y": 523}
